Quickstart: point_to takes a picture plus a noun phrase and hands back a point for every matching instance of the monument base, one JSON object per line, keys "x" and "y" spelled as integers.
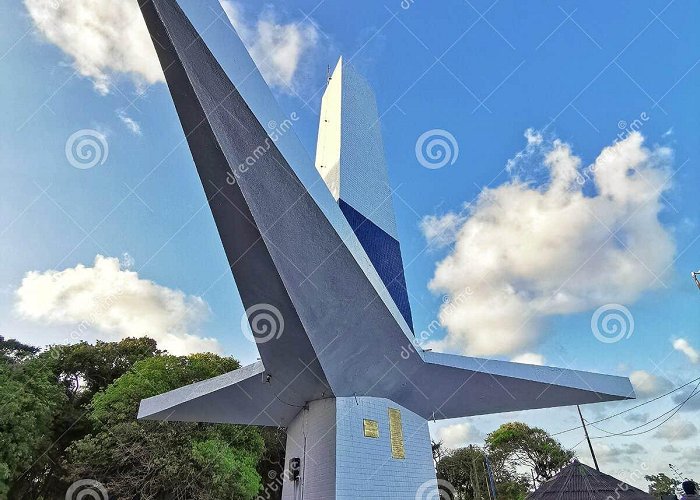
{"x": 358, "y": 447}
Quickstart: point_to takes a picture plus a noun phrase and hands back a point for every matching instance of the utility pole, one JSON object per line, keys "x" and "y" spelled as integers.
{"x": 585, "y": 430}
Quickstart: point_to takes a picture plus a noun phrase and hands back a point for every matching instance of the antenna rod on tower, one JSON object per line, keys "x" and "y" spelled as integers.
{"x": 585, "y": 430}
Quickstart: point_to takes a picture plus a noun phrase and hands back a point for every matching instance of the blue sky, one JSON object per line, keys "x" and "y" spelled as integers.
{"x": 581, "y": 74}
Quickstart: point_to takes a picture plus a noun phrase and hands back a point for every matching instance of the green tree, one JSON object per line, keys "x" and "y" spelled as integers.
{"x": 30, "y": 399}
{"x": 513, "y": 487}
{"x": 13, "y": 351}
{"x": 271, "y": 465}
{"x": 517, "y": 444}
{"x": 661, "y": 484}
{"x": 464, "y": 469}
{"x": 165, "y": 460}
{"x": 86, "y": 368}
{"x": 76, "y": 372}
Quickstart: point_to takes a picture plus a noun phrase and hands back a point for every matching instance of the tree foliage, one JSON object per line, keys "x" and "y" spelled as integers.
{"x": 465, "y": 471}
{"x": 29, "y": 403}
{"x": 517, "y": 444}
{"x": 13, "y": 351}
{"x": 661, "y": 484}
{"x": 72, "y": 374}
{"x": 69, "y": 413}
{"x": 85, "y": 368}
{"x": 164, "y": 460}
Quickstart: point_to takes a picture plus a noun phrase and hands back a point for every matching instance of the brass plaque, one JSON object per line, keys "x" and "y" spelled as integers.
{"x": 371, "y": 428}
{"x": 396, "y": 434}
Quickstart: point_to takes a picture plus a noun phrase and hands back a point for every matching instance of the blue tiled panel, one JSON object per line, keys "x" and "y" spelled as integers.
{"x": 385, "y": 254}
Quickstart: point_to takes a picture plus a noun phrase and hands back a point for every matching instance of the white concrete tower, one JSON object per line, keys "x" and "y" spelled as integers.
{"x": 359, "y": 448}
{"x": 350, "y": 159}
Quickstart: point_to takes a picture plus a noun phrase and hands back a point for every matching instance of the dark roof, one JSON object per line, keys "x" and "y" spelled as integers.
{"x": 580, "y": 482}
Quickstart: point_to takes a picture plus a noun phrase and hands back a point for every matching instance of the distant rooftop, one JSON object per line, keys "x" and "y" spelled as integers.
{"x": 580, "y": 482}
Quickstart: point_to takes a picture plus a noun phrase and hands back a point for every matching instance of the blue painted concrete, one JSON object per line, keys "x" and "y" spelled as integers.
{"x": 385, "y": 254}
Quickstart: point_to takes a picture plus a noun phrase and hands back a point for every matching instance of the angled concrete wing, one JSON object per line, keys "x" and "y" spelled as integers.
{"x": 460, "y": 386}
{"x": 286, "y": 248}
{"x": 204, "y": 110}
{"x": 243, "y": 396}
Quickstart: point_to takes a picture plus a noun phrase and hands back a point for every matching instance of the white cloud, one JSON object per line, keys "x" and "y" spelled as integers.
{"x": 441, "y": 231}
{"x": 276, "y": 48}
{"x": 684, "y": 346}
{"x": 534, "y": 138}
{"x": 692, "y": 455}
{"x": 647, "y": 385}
{"x": 108, "y": 299}
{"x": 688, "y": 399}
{"x": 126, "y": 261}
{"x": 637, "y": 418}
{"x": 618, "y": 454}
{"x": 101, "y": 37}
{"x": 131, "y": 124}
{"x": 458, "y": 435}
{"x": 677, "y": 430}
{"x": 529, "y": 358}
{"x": 532, "y": 250}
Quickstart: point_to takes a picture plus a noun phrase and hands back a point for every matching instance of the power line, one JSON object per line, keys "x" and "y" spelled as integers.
{"x": 629, "y": 409}
{"x": 674, "y": 410}
{"x": 694, "y": 393}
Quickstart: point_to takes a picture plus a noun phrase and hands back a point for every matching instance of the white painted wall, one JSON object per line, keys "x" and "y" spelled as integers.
{"x": 328, "y": 145}
{"x": 365, "y": 467}
{"x": 311, "y": 437}
{"x": 341, "y": 463}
